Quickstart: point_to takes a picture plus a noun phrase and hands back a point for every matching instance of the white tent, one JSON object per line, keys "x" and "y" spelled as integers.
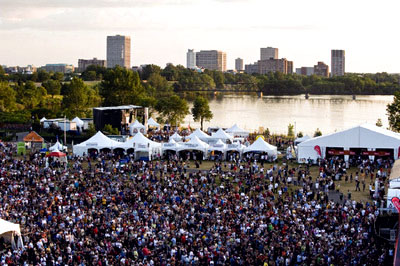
{"x": 152, "y": 123}
{"x": 79, "y": 122}
{"x": 237, "y": 131}
{"x": 194, "y": 144}
{"x": 222, "y": 135}
{"x": 200, "y": 134}
{"x": 261, "y": 145}
{"x": 136, "y": 127}
{"x": 302, "y": 139}
{"x": 98, "y": 142}
{"x": 143, "y": 147}
{"x": 8, "y": 230}
{"x": 367, "y": 137}
{"x": 176, "y": 137}
{"x": 172, "y": 145}
{"x": 43, "y": 119}
{"x": 58, "y": 146}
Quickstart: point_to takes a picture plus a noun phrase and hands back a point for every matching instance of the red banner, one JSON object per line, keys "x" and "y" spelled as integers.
{"x": 396, "y": 203}
{"x": 337, "y": 152}
{"x": 376, "y": 153}
{"x": 318, "y": 150}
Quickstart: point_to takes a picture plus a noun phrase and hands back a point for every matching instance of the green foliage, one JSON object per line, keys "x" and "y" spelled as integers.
{"x": 160, "y": 84}
{"x": 170, "y": 72}
{"x": 121, "y": 86}
{"x": 79, "y": 98}
{"x": 17, "y": 117}
{"x": 58, "y": 76}
{"x": 379, "y": 123}
{"x": 201, "y": 110}
{"x": 148, "y": 70}
{"x": 393, "y": 112}
{"x": 93, "y": 72}
{"x": 30, "y": 96}
{"x": 43, "y": 75}
{"x": 300, "y": 134}
{"x": 267, "y": 132}
{"x": 109, "y": 130}
{"x": 172, "y": 110}
{"x": 290, "y": 131}
{"x": 7, "y": 97}
{"x": 2, "y": 74}
{"x": 53, "y": 87}
{"x": 91, "y": 131}
{"x": 317, "y": 133}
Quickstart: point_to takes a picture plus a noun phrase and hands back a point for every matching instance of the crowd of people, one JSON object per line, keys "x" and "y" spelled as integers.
{"x": 104, "y": 212}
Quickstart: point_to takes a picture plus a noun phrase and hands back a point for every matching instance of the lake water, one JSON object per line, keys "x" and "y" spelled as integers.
{"x": 329, "y": 113}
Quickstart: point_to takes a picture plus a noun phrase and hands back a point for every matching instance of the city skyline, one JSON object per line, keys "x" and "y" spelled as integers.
{"x": 44, "y": 31}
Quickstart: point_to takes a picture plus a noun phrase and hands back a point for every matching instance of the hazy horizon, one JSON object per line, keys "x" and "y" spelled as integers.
{"x": 48, "y": 31}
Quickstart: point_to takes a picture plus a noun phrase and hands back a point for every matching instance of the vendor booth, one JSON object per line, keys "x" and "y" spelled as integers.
{"x": 58, "y": 146}
{"x": 236, "y": 131}
{"x": 151, "y": 123}
{"x": 222, "y": 135}
{"x": 8, "y": 231}
{"x": 194, "y": 149}
{"x": 260, "y": 148}
{"x": 234, "y": 151}
{"x": 357, "y": 143}
{"x": 142, "y": 147}
{"x": 176, "y": 137}
{"x": 99, "y": 142}
{"x": 136, "y": 127}
{"x": 217, "y": 151}
{"x": 170, "y": 148}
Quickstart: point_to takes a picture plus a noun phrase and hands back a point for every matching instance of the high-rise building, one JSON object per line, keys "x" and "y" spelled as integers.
{"x": 268, "y": 53}
{"x": 337, "y": 62}
{"x": 251, "y": 68}
{"x": 191, "y": 59}
{"x": 84, "y": 63}
{"x": 118, "y": 51}
{"x": 239, "y": 64}
{"x": 306, "y": 71}
{"x": 211, "y": 59}
{"x": 321, "y": 69}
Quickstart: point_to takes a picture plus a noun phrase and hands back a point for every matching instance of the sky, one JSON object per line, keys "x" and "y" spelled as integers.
{"x": 62, "y": 31}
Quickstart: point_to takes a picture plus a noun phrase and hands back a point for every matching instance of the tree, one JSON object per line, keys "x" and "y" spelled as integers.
{"x": 160, "y": 85}
{"x": 30, "y": 95}
{"x": 2, "y": 74}
{"x": 53, "y": 87}
{"x": 172, "y": 109}
{"x": 393, "y": 112}
{"x": 121, "y": 86}
{"x": 78, "y": 98}
{"x": 58, "y": 76}
{"x": 290, "y": 131}
{"x": 148, "y": 70}
{"x": 379, "y": 123}
{"x": 317, "y": 133}
{"x": 300, "y": 134}
{"x": 43, "y": 75}
{"x": 7, "y": 97}
{"x": 109, "y": 130}
{"x": 201, "y": 110}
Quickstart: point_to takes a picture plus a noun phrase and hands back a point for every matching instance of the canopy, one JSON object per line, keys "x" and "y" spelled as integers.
{"x": 199, "y": 134}
{"x": 56, "y": 153}
{"x": 236, "y": 131}
{"x": 366, "y": 136}
{"x": 176, "y": 137}
{"x": 98, "y": 141}
{"x": 302, "y": 139}
{"x": 57, "y": 146}
{"x": 141, "y": 146}
{"x": 43, "y": 119}
{"x": 8, "y": 230}
{"x": 261, "y": 145}
{"x": 172, "y": 145}
{"x": 222, "y": 135}
{"x": 136, "y": 127}
{"x": 78, "y": 121}
{"x": 219, "y": 146}
{"x": 235, "y": 147}
{"x": 194, "y": 144}
{"x": 152, "y": 123}
{"x": 33, "y": 137}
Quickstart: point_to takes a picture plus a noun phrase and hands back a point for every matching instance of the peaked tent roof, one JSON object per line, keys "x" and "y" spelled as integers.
{"x": 198, "y": 133}
{"x": 176, "y": 137}
{"x": 261, "y": 145}
{"x": 78, "y": 121}
{"x": 362, "y": 136}
{"x": 6, "y": 226}
{"x": 304, "y": 138}
{"x": 99, "y": 140}
{"x": 136, "y": 124}
{"x": 139, "y": 142}
{"x": 236, "y": 129}
{"x": 33, "y": 137}
{"x": 57, "y": 146}
{"x": 194, "y": 144}
{"x": 152, "y": 122}
{"x": 218, "y": 146}
{"x": 221, "y": 134}
{"x": 43, "y": 119}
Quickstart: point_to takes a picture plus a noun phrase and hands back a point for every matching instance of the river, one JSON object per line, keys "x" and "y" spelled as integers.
{"x": 329, "y": 113}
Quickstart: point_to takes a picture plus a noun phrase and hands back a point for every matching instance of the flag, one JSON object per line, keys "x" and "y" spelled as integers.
{"x": 318, "y": 150}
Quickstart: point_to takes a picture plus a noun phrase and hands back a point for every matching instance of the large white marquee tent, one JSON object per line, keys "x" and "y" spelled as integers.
{"x": 8, "y": 230}
{"x": 143, "y": 147}
{"x": 98, "y": 142}
{"x": 199, "y": 134}
{"x": 222, "y": 135}
{"x": 194, "y": 144}
{"x": 236, "y": 131}
{"x": 367, "y": 137}
{"x": 153, "y": 123}
{"x": 136, "y": 127}
{"x": 261, "y": 146}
